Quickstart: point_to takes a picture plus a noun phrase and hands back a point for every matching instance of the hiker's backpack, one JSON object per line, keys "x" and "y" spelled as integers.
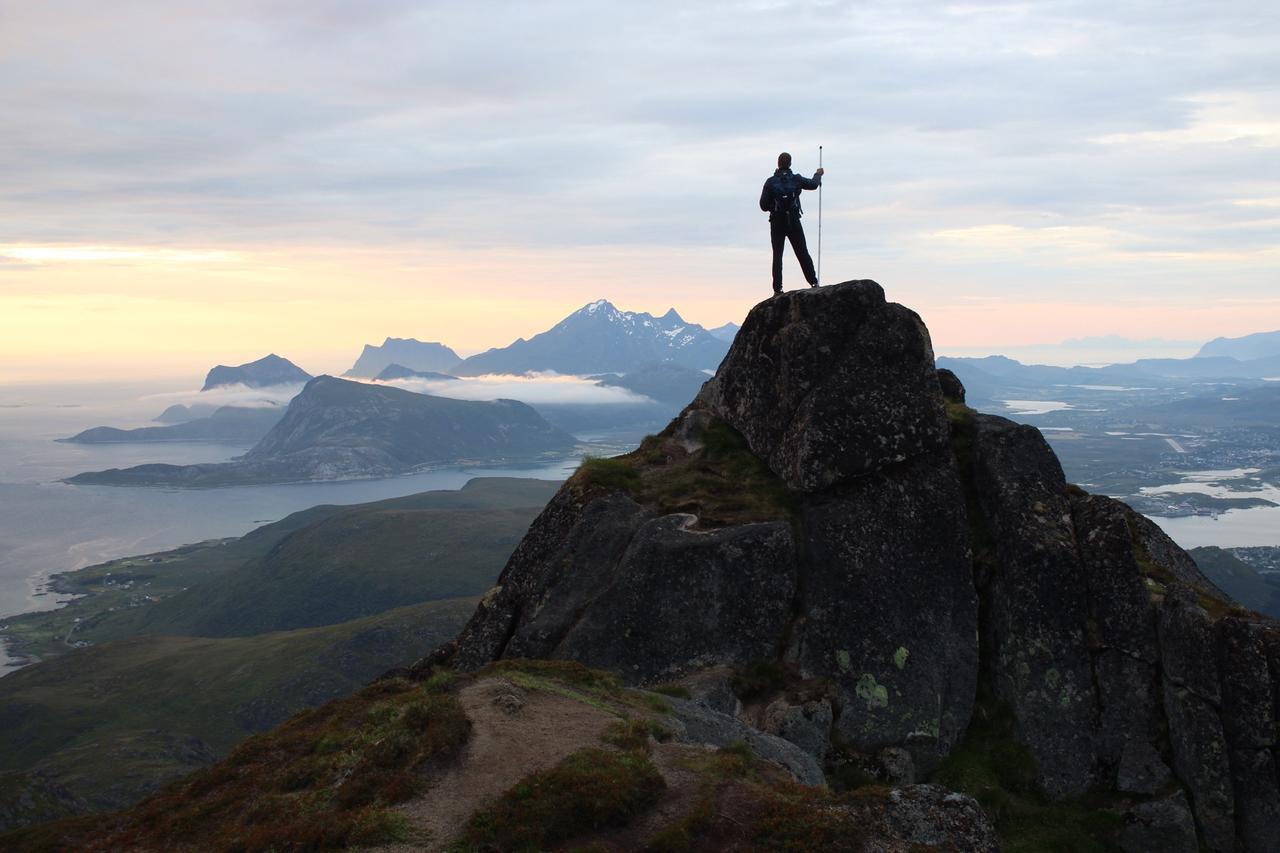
{"x": 786, "y": 196}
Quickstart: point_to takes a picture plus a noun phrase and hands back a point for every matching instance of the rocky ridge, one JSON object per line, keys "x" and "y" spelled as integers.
{"x": 911, "y": 570}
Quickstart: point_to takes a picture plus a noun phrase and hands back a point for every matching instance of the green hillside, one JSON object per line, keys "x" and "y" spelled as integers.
{"x": 294, "y": 573}
{"x": 356, "y": 563}
{"x": 103, "y": 726}
{"x": 1239, "y": 580}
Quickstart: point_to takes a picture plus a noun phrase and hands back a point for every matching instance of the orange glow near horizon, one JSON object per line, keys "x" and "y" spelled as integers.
{"x": 102, "y": 312}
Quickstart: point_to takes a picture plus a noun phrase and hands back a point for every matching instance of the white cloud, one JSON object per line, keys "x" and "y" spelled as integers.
{"x": 230, "y": 395}
{"x": 533, "y": 389}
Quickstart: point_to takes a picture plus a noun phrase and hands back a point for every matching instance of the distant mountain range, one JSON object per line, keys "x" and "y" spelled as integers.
{"x": 268, "y": 370}
{"x": 337, "y": 429}
{"x": 995, "y": 374}
{"x": 599, "y": 338}
{"x": 727, "y": 332}
{"x": 230, "y": 424}
{"x": 1257, "y": 345}
{"x": 410, "y": 353}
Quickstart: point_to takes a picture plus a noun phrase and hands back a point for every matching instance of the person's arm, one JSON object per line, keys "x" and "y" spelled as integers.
{"x": 766, "y": 197}
{"x": 810, "y": 183}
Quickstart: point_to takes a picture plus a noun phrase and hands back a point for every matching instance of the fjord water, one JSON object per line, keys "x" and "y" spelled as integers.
{"x": 47, "y": 526}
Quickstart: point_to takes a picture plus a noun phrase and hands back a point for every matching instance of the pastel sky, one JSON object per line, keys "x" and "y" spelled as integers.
{"x": 185, "y": 184}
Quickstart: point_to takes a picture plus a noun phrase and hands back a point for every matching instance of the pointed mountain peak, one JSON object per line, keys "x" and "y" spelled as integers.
{"x": 672, "y": 316}
{"x": 596, "y": 307}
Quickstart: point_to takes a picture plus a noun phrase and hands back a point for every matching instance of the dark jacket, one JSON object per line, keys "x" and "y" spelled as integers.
{"x": 782, "y": 182}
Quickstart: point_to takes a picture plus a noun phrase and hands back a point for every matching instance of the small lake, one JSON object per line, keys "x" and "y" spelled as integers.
{"x": 1034, "y": 407}
{"x": 1237, "y": 528}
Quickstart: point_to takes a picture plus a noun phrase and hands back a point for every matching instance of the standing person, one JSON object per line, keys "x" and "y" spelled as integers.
{"x": 781, "y": 200}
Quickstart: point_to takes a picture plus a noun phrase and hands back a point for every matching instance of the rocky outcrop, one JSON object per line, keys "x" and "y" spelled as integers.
{"x": 1165, "y": 825}
{"x": 827, "y": 510}
{"x": 692, "y": 722}
{"x": 831, "y": 385}
{"x": 929, "y": 817}
{"x": 1036, "y": 617}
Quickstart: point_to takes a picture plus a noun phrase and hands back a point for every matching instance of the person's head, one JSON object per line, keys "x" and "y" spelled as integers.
{"x": 784, "y": 160}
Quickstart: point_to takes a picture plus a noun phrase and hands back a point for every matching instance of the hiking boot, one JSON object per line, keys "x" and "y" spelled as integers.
{"x": 777, "y": 291}
{"x": 813, "y": 284}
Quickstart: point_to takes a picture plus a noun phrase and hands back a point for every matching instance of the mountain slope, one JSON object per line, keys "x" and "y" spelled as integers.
{"x": 232, "y": 424}
{"x": 407, "y": 352}
{"x": 268, "y": 370}
{"x": 727, "y": 332}
{"x": 1257, "y": 345}
{"x": 337, "y": 429}
{"x": 110, "y": 724}
{"x": 356, "y": 563}
{"x": 598, "y": 338}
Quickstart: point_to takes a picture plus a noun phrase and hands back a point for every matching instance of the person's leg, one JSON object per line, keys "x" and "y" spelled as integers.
{"x": 796, "y": 234}
{"x": 778, "y": 236}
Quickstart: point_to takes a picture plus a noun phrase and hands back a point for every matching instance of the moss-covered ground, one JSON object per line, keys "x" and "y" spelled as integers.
{"x": 722, "y": 482}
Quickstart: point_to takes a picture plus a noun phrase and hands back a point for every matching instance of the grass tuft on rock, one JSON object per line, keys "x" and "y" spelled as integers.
{"x": 758, "y": 679}
{"x": 1000, "y": 773}
{"x": 618, "y": 473}
{"x": 635, "y": 733}
{"x": 722, "y": 482}
{"x": 591, "y": 790}
{"x": 733, "y": 761}
{"x": 798, "y": 819}
{"x": 678, "y": 691}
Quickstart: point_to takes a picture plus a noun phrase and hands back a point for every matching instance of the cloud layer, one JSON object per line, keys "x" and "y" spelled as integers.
{"x": 535, "y": 389}
{"x": 1000, "y": 149}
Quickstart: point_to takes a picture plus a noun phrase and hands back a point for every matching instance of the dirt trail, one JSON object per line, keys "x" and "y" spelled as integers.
{"x": 514, "y": 733}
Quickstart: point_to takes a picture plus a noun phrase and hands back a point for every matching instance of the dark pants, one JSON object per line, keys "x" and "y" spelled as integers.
{"x": 783, "y": 227}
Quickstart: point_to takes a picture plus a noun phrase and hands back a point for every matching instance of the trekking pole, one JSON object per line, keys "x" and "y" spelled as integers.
{"x": 819, "y": 219}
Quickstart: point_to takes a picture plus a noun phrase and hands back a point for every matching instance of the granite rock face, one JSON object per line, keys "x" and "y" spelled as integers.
{"x": 1163, "y": 825}
{"x": 886, "y": 552}
{"x": 619, "y": 588}
{"x": 831, "y": 384}
{"x": 890, "y": 610}
{"x": 1037, "y": 616}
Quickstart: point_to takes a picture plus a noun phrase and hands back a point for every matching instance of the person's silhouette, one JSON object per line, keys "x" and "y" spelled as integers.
{"x": 780, "y": 198}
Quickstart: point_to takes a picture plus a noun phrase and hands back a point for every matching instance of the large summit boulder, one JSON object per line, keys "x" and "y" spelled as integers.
{"x": 831, "y": 383}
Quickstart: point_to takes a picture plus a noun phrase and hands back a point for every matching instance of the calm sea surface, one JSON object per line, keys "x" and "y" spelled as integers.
{"x": 47, "y": 526}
